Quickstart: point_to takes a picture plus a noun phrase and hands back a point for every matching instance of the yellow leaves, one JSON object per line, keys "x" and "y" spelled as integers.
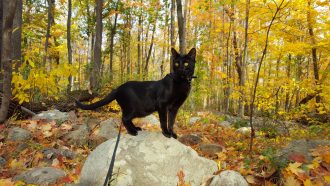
{"x": 294, "y": 168}
{"x": 6, "y": 182}
{"x": 291, "y": 181}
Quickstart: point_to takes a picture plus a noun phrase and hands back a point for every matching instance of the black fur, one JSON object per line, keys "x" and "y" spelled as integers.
{"x": 139, "y": 99}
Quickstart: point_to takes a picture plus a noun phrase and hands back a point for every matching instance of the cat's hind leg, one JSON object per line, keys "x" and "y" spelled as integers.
{"x": 131, "y": 129}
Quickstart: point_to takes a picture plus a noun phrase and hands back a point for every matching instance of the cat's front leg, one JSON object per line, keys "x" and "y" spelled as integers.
{"x": 172, "y": 116}
{"x": 163, "y": 122}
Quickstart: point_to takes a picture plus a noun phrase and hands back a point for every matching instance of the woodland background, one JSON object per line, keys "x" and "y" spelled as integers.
{"x": 59, "y": 46}
{"x": 263, "y": 58}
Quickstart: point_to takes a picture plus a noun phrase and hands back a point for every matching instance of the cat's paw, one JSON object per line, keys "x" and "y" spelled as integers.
{"x": 175, "y": 136}
{"x": 138, "y": 128}
{"x": 132, "y": 132}
{"x": 166, "y": 134}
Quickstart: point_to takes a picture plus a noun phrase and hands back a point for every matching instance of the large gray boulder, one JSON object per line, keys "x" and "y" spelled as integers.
{"x": 41, "y": 176}
{"x": 146, "y": 159}
{"x": 53, "y": 115}
{"x": 150, "y": 119}
{"x": 229, "y": 178}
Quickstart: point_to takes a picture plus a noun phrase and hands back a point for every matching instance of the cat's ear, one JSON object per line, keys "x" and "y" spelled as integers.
{"x": 175, "y": 54}
{"x": 192, "y": 53}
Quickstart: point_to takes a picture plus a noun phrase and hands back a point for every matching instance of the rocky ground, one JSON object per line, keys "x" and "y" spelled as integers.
{"x": 212, "y": 149}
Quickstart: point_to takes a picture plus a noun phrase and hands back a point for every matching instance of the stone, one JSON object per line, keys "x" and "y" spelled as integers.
{"x": 18, "y": 134}
{"x": 79, "y": 136}
{"x": 72, "y": 116}
{"x": 146, "y": 159}
{"x": 51, "y": 153}
{"x": 193, "y": 120}
{"x": 210, "y": 149}
{"x": 3, "y": 161}
{"x": 225, "y": 124}
{"x": 52, "y": 115}
{"x": 229, "y": 178}
{"x": 107, "y": 128}
{"x": 244, "y": 130}
{"x": 301, "y": 147}
{"x": 151, "y": 119}
{"x": 42, "y": 175}
{"x": 190, "y": 139}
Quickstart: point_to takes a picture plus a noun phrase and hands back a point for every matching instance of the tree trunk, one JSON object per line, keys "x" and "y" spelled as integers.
{"x": 172, "y": 30}
{"x": 150, "y": 50}
{"x": 139, "y": 43}
{"x": 181, "y": 26}
{"x": 288, "y": 74}
{"x": 95, "y": 76}
{"x": 278, "y": 8}
{"x": 9, "y": 7}
{"x": 68, "y": 26}
{"x": 17, "y": 35}
{"x": 112, "y": 36}
{"x": 49, "y": 24}
{"x": 314, "y": 56}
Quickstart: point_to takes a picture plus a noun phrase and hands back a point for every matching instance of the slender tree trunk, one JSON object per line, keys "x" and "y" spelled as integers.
{"x": 243, "y": 64}
{"x": 172, "y": 31}
{"x": 1, "y": 21}
{"x": 49, "y": 24}
{"x": 68, "y": 26}
{"x": 95, "y": 76}
{"x": 9, "y": 7}
{"x": 150, "y": 50}
{"x": 264, "y": 52}
{"x": 288, "y": 74}
{"x": 113, "y": 33}
{"x": 17, "y": 35}
{"x": 181, "y": 26}
{"x": 139, "y": 42}
{"x": 310, "y": 22}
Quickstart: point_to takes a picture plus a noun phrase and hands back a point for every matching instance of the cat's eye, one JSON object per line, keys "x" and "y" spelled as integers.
{"x": 186, "y": 64}
{"x": 176, "y": 64}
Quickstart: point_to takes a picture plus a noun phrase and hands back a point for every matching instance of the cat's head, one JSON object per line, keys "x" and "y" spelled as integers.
{"x": 184, "y": 65}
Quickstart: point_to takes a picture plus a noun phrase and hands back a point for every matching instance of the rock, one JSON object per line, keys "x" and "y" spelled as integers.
{"x": 18, "y": 134}
{"x": 146, "y": 159}
{"x": 3, "y": 161}
{"x": 300, "y": 148}
{"x": 79, "y": 136}
{"x": 92, "y": 122}
{"x": 107, "y": 128}
{"x": 51, "y": 153}
{"x": 210, "y": 149}
{"x": 190, "y": 139}
{"x": 72, "y": 116}
{"x": 43, "y": 175}
{"x": 21, "y": 147}
{"x": 244, "y": 130}
{"x": 52, "y": 115}
{"x": 225, "y": 124}
{"x": 151, "y": 119}
{"x": 193, "y": 120}
{"x": 229, "y": 178}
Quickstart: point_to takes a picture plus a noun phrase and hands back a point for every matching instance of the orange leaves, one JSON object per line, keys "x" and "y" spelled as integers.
{"x": 181, "y": 176}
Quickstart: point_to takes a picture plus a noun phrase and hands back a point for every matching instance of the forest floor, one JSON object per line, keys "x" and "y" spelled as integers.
{"x": 261, "y": 167}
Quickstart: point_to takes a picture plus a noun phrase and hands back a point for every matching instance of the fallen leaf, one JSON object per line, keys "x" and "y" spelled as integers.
{"x": 297, "y": 157}
{"x": 326, "y": 157}
{"x": 294, "y": 168}
{"x": 291, "y": 181}
{"x": 327, "y": 178}
{"x": 6, "y": 182}
{"x": 307, "y": 182}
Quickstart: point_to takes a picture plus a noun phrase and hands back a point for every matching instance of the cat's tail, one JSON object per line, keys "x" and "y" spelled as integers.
{"x": 109, "y": 98}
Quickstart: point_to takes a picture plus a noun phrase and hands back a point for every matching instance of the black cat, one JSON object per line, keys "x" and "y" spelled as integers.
{"x": 139, "y": 99}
